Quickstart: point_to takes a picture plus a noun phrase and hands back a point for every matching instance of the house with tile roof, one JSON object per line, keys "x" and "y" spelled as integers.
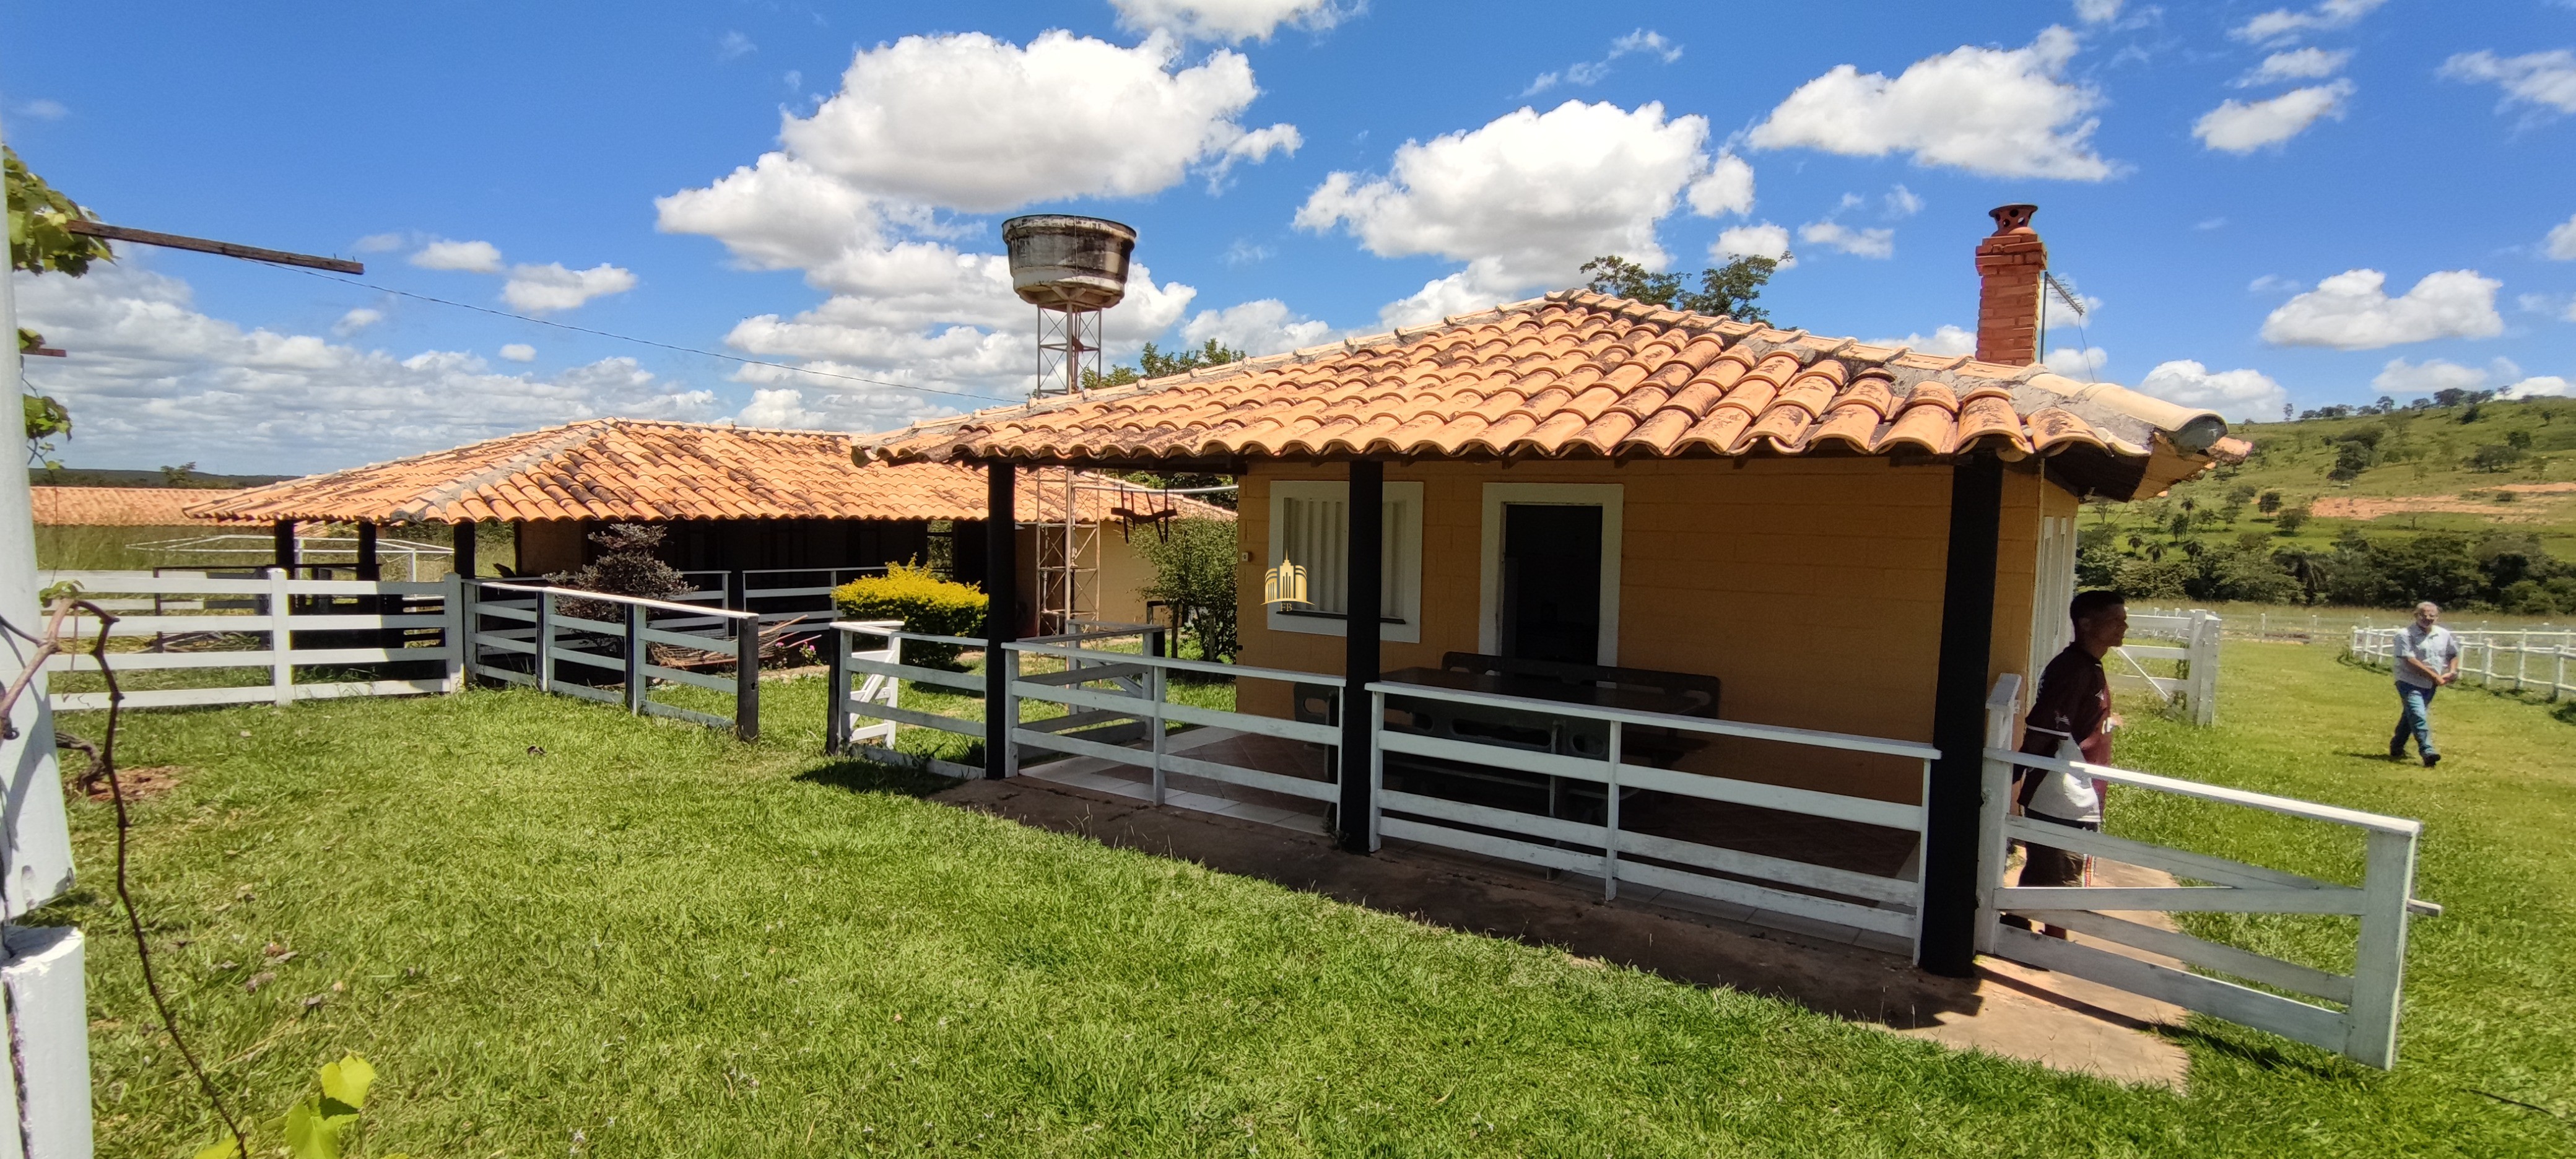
{"x": 734, "y": 500}
{"x": 1846, "y": 538}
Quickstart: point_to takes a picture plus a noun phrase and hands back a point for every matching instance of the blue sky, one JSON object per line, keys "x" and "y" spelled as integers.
{"x": 2311, "y": 203}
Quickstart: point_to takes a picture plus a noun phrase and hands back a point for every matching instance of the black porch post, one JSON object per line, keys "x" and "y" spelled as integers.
{"x": 367, "y": 569}
{"x": 1001, "y": 609}
{"x": 286, "y": 545}
{"x": 1959, "y": 718}
{"x": 1365, "y": 556}
{"x": 462, "y": 558}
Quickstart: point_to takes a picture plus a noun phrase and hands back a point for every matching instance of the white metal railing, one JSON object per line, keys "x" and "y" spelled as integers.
{"x": 1887, "y": 905}
{"x": 2195, "y": 635}
{"x": 1138, "y": 693}
{"x": 273, "y": 623}
{"x": 2479, "y": 651}
{"x": 617, "y": 655}
{"x": 867, "y": 684}
{"x": 2365, "y": 1026}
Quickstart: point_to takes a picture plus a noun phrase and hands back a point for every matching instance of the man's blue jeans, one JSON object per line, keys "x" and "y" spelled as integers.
{"x": 2415, "y": 717}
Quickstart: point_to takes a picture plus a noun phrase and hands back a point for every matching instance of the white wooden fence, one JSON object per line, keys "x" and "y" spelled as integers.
{"x": 2195, "y": 637}
{"x": 275, "y": 626}
{"x": 2538, "y": 656}
{"x": 2365, "y": 1026}
{"x": 1138, "y": 690}
{"x": 611, "y": 661}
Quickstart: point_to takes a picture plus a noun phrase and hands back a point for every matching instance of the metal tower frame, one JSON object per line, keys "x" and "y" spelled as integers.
{"x": 1069, "y": 349}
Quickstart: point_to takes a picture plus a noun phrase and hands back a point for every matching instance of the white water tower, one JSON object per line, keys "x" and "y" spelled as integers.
{"x": 1070, "y": 268}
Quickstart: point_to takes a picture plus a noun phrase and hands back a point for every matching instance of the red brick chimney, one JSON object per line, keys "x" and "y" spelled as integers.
{"x": 2009, "y": 262}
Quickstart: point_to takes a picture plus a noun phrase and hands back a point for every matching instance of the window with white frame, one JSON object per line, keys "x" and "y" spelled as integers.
{"x": 1310, "y": 526}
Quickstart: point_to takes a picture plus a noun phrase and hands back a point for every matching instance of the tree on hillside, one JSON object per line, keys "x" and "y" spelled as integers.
{"x": 39, "y": 244}
{"x": 1728, "y": 290}
{"x": 1153, "y": 363}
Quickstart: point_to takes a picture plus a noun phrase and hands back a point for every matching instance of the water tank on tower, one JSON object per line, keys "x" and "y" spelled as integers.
{"x": 1071, "y": 268}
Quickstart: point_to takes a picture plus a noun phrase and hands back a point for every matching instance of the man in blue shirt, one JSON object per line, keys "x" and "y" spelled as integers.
{"x": 2428, "y": 657}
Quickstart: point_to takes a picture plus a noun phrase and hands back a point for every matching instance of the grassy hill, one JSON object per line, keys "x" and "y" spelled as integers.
{"x": 2470, "y": 481}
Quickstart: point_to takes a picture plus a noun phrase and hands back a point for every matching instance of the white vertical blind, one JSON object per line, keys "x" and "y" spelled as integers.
{"x": 1315, "y": 534}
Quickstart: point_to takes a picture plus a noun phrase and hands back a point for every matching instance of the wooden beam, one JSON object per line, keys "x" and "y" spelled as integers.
{"x": 1947, "y": 941}
{"x": 1365, "y": 558}
{"x": 1001, "y": 610}
{"x": 209, "y": 246}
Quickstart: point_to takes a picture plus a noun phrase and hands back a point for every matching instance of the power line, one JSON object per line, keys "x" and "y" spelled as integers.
{"x": 650, "y": 342}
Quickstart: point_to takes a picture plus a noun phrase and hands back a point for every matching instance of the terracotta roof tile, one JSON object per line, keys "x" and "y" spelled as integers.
{"x": 120, "y": 506}
{"x": 633, "y": 469}
{"x": 1570, "y": 374}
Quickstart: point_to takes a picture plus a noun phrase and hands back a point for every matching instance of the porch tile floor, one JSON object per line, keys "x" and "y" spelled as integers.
{"x": 2009, "y": 1010}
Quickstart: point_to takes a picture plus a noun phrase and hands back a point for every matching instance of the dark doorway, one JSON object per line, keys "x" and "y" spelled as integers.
{"x": 1551, "y": 593}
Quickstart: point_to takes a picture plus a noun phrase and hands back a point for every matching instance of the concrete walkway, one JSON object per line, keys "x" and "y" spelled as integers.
{"x": 2010, "y": 1010}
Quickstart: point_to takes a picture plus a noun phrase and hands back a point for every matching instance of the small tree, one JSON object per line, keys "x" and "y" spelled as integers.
{"x": 1194, "y": 572}
{"x": 2269, "y": 503}
{"x": 627, "y": 568}
{"x": 2291, "y": 519}
{"x": 1728, "y": 290}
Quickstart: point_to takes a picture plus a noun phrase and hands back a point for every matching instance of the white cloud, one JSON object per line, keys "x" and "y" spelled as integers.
{"x": 356, "y": 320}
{"x": 157, "y": 381}
{"x": 2085, "y": 364}
{"x": 519, "y": 352}
{"x": 1765, "y": 240}
{"x": 2352, "y": 311}
{"x": 2239, "y": 127}
{"x": 1902, "y": 202}
{"x": 2054, "y": 314}
{"x": 1995, "y": 111}
{"x": 2434, "y": 374}
{"x": 1727, "y": 187}
{"x": 1834, "y": 235}
{"x": 734, "y": 46}
{"x": 1260, "y": 327}
{"x": 934, "y": 125}
{"x": 2097, "y": 11}
{"x": 473, "y": 257}
{"x": 2235, "y": 394}
{"x": 1947, "y": 341}
{"x": 1589, "y": 72}
{"x": 2281, "y": 24}
{"x": 1526, "y": 199}
{"x": 42, "y": 109}
{"x": 376, "y": 243}
{"x": 2296, "y": 64}
{"x": 967, "y": 122}
{"x": 2274, "y": 284}
{"x": 783, "y": 408}
{"x": 2540, "y": 386}
{"x": 2546, "y": 79}
{"x": 1246, "y": 252}
{"x": 1229, "y": 20}
{"x": 2562, "y": 240}
{"x": 550, "y": 287}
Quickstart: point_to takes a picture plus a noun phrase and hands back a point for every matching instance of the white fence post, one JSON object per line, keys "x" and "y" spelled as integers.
{"x": 1995, "y": 799}
{"x": 281, "y": 668}
{"x": 1377, "y": 768}
{"x": 458, "y": 632}
{"x": 1155, "y": 687}
{"x": 1009, "y": 708}
{"x": 1609, "y": 821}
{"x": 2379, "y": 960}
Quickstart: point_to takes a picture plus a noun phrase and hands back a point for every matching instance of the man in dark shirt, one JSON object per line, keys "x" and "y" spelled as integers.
{"x": 2070, "y": 718}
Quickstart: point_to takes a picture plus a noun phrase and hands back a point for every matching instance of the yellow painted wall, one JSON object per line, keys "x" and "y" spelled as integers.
{"x": 547, "y": 546}
{"x": 1811, "y": 587}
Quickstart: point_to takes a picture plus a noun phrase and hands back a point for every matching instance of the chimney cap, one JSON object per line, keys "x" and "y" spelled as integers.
{"x": 2012, "y": 217}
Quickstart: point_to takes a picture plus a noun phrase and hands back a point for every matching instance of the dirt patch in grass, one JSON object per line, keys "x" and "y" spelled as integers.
{"x": 2361, "y": 507}
{"x": 139, "y": 784}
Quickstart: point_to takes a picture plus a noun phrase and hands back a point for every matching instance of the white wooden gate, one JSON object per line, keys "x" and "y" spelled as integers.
{"x": 2194, "y": 637}
{"x": 2361, "y": 1021}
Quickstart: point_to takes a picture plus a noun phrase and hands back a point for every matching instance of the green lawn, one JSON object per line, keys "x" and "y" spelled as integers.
{"x": 650, "y": 940}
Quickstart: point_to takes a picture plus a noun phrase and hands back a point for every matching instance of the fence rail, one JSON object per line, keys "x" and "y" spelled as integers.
{"x": 2364, "y": 1028}
{"x": 401, "y": 636}
{"x": 2480, "y": 651}
{"x": 2194, "y": 636}
{"x": 611, "y": 661}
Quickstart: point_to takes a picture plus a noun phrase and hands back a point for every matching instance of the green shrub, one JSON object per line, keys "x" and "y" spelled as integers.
{"x": 924, "y": 602}
{"x": 1194, "y": 571}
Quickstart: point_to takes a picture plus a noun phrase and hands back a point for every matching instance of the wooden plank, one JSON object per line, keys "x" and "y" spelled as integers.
{"x": 211, "y": 246}
{"x": 165, "y": 698}
{"x": 2379, "y": 956}
{"x": 1698, "y": 724}
{"x": 1238, "y": 671}
{"x": 1080, "y": 720}
{"x": 965, "y": 681}
{"x": 701, "y": 642}
{"x": 585, "y": 692}
{"x": 1323, "y": 734}
{"x": 692, "y": 679}
{"x": 493, "y": 643}
{"x": 506, "y": 676}
{"x": 919, "y": 719}
{"x": 1886, "y": 814}
{"x": 1091, "y": 698}
{"x": 1086, "y": 674}
{"x": 370, "y": 688}
{"x": 1262, "y": 779}
{"x": 1522, "y": 760}
{"x": 2218, "y": 956}
{"x": 1079, "y": 747}
{"x": 564, "y": 623}
{"x": 1755, "y": 865}
{"x": 593, "y": 659}
{"x": 2243, "y": 1005}
{"x": 2221, "y": 794}
{"x": 526, "y": 615}
{"x": 605, "y": 597}
{"x": 693, "y": 716}
{"x": 1842, "y": 913}
{"x": 1521, "y": 851}
{"x": 2200, "y": 866}
{"x": 2182, "y": 899}
{"x": 167, "y": 661}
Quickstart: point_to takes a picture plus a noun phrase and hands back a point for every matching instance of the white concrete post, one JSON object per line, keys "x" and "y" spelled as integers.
{"x": 48, "y": 1014}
